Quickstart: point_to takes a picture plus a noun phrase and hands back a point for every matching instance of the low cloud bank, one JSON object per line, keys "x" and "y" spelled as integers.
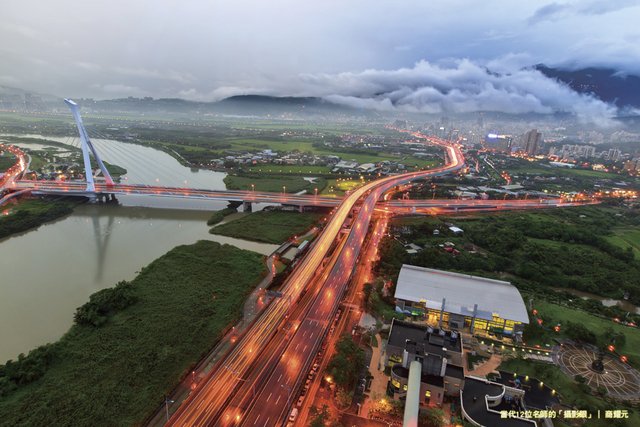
{"x": 461, "y": 87}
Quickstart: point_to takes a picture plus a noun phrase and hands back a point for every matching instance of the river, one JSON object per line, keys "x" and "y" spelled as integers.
{"x": 47, "y": 273}
{"x": 607, "y": 302}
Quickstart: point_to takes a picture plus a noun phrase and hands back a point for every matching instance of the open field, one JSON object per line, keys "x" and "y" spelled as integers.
{"x": 269, "y": 227}
{"x": 119, "y": 372}
{"x": 290, "y": 169}
{"x": 273, "y": 183}
{"x": 562, "y": 172}
{"x": 625, "y": 238}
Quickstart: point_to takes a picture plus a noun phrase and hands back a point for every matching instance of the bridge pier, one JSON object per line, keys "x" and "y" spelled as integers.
{"x": 246, "y": 207}
{"x": 103, "y": 198}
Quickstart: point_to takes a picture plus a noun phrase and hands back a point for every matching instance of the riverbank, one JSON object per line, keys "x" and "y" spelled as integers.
{"x": 218, "y": 216}
{"x": 118, "y": 373}
{"x": 30, "y": 214}
{"x": 268, "y": 226}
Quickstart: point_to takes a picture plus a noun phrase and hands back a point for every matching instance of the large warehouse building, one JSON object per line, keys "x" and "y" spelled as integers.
{"x": 460, "y": 301}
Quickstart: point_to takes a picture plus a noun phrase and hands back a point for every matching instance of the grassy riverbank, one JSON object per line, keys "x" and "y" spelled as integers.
{"x": 118, "y": 373}
{"x": 268, "y": 227}
{"x": 218, "y": 216}
{"x": 30, "y": 214}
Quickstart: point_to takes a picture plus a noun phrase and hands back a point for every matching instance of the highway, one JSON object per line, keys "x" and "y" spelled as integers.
{"x": 71, "y": 188}
{"x": 397, "y": 206}
{"x": 208, "y": 405}
{"x": 256, "y": 381}
{"x": 12, "y": 174}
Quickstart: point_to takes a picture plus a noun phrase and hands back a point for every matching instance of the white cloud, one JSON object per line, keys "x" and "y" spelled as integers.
{"x": 464, "y": 87}
{"x": 207, "y": 49}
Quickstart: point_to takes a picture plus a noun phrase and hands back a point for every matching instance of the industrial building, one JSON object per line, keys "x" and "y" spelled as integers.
{"x": 439, "y": 353}
{"x": 461, "y": 302}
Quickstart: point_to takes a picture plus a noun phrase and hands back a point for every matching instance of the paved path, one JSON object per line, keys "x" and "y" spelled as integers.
{"x": 379, "y": 382}
{"x": 487, "y": 367}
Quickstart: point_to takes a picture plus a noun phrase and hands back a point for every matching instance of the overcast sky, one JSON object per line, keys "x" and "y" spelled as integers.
{"x": 349, "y": 50}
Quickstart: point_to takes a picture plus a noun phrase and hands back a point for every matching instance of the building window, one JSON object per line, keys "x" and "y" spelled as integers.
{"x": 427, "y": 393}
{"x": 480, "y": 325}
{"x": 394, "y": 358}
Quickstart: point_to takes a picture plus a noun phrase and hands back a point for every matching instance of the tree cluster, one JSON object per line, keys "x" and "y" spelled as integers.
{"x": 347, "y": 363}
{"x": 26, "y": 369}
{"x": 105, "y": 303}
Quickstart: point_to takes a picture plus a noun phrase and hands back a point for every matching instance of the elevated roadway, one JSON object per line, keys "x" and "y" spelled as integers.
{"x": 208, "y": 405}
{"x": 70, "y": 188}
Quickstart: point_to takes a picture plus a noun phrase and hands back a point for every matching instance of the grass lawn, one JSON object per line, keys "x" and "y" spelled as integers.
{"x": 6, "y": 160}
{"x": 263, "y": 144}
{"x": 570, "y": 392}
{"x": 626, "y": 237}
{"x": 118, "y": 373}
{"x": 564, "y": 314}
{"x": 269, "y": 227}
{"x": 585, "y": 173}
{"x": 292, "y": 184}
{"x": 338, "y": 187}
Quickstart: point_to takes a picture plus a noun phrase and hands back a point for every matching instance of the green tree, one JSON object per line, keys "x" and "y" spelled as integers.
{"x": 319, "y": 416}
{"x": 432, "y": 417}
{"x": 343, "y": 397}
{"x": 579, "y": 332}
{"x": 347, "y": 363}
{"x": 367, "y": 289}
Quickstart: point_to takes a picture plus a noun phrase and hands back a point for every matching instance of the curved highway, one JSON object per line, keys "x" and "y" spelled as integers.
{"x": 208, "y": 405}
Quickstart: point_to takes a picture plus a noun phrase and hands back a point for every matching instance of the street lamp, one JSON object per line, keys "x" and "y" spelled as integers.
{"x": 166, "y": 405}
{"x": 253, "y": 187}
{"x": 239, "y": 378}
{"x": 284, "y": 189}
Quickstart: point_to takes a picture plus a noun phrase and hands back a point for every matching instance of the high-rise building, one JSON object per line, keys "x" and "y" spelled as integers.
{"x": 576, "y": 151}
{"x": 532, "y": 142}
{"x": 613, "y": 154}
{"x": 499, "y": 142}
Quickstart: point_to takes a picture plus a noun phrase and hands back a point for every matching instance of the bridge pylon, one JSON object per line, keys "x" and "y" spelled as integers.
{"x": 86, "y": 146}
